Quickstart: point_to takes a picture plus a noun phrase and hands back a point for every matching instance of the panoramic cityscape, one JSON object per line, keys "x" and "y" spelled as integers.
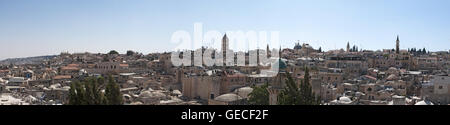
{"x": 254, "y": 52}
{"x": 346, "y": 76}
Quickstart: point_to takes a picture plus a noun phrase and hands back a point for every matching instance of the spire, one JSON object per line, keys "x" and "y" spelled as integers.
{"x": 397, "y": 45}
{"x": 279, "y": 53}
{"x": 297, "y": 46}
{"x": 348, "y": 46}
{"x": 225, "y": 43}
{"x": 225, "y": 46}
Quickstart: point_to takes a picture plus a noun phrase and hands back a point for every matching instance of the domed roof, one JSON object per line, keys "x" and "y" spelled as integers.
{"x": 345, "y": 99}
{"x": 281, "y": 64}
{"x": 305, "y": 45}
{"x": 145, "y": 94}
{"x": 54, "y": 86}
{"x": 29, "y": 71}
{"x": 126, "y": 95}
{"x": 228, "y": 97}
{"x": 66, "y": 87}
{"x": 176, "y": 92}
{"x": 297, "y": 46}
{"x": 148, "y": 94}
{"x": 130, "y": 82}
{"x": 30, "y": 98}
{"x": 136, "y": 103}
{"x": 392, "y": 77}
{"x": 359, "y": 94}
{"x": 244, "y": 91}
{"x": 423, "y": 102}
{"x": 392, "y": 68}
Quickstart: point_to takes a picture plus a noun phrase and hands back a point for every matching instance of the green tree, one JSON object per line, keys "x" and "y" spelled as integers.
{"x": 80, "y": 94}
{"x": 294, "y": 94}
{"x": 73, "y": 94}
{"x": 112, "y": 92}
{"x": 308, "y": 97}
{"x": 290, "y": 94}
{"x": 101, "y": 81}
{"x": 130, "y": 53}
{"x": 93, "y": 91}
{"x": 113, "y": 52}
{"x": 89, "y": 92}
{"x": 259, "y": 95}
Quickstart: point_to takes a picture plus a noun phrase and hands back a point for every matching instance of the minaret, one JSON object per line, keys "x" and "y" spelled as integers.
{"x": 224, "y": 48}
{"x": 279, "y": 53}
{"x": 397, "y": 46}
{"x": 348, "y": 46}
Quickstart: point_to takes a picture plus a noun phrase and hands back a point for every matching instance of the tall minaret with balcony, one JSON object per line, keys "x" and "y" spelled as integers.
{"x": 348, "y": 46}
{"x": 397, "y": 46}
{"x": 225, "y": 44}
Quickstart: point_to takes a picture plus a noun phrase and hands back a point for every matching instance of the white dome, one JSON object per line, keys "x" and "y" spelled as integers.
{"x": 424, "y": 103}
{"x": 29, "y": 71}
{"x": 130, "y": 82}
{"x": 393, "y": 69}
{"x": 126, "y": 95}
{"x": 228, "y": 97}
{"x": 158, "y": 94}
{"x": 66, "y": 87}
{"x": 176, "y": 92}
{"x": 345, "y": 99}
{"x": 54, "y": 86}
{"x": 392, "y": 77}
{"x": 30, "y": 98}
{"x": 244, "y": 91}
{"x": 136, "y": 103}
{"x": 148, "y": 94}
{"x": 145, "y": 94}
{"x": 360, "y": 94}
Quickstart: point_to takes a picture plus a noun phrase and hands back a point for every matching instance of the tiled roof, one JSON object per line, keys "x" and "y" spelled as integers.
{"x": 62, "y": 77}
{"x": 69, "y": 68}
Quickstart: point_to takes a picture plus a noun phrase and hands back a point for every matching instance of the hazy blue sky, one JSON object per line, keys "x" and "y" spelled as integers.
{"x": 42, "y": 27}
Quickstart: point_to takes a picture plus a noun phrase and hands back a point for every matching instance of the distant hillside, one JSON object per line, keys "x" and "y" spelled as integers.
{"x": 26, "y": 60}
